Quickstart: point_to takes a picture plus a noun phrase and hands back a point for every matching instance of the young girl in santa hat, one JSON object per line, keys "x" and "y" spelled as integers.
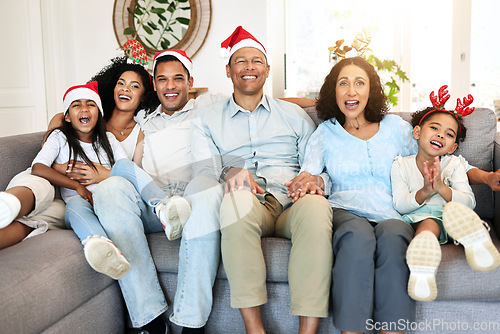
{"x": 28, "y": 206}
{"x": 83, "y": 137}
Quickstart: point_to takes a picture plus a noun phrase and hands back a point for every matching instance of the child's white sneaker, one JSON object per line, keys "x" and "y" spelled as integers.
{"x": 173, "y": 213}
{"x": 423, "y": 257}
{"x": 104, "y": 257}
{"x": 466, "y": 228}
{"x": 9, "y": 208}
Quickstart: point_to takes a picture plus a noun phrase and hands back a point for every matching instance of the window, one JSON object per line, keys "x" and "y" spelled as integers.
{"x": 450, "y": 42}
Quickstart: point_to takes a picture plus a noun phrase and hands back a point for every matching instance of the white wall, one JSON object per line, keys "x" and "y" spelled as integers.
{"x": 79, "y": 40}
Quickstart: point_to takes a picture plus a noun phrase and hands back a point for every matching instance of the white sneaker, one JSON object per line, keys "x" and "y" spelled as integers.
{"x": 173, "y": 213}
{"x": 104, "y": 257}
{"x": 466, "y": 228}
{"x": 423, "y": 257}
{"x": 9, "y": 208}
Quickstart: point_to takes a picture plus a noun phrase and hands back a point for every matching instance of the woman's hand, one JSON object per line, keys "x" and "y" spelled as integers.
{"x": 304, "y": 183}
{"x": 84, "y": 193}
{"x": 237, "y": 178}
{"x": 85, "y": 174}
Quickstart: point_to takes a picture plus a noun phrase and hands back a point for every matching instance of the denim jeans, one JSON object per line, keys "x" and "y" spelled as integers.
{"x": 121, "y": 204}
{"x": 81, "y": 218}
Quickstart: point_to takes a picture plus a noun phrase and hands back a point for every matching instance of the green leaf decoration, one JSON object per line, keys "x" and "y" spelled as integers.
{"x": 183, "y": 20}
{"x": 130, "y": 11}
{"x": 151, "y": 43}
{"x": 147, "y": 29}
{"x": 162, "y": 1}
{"x": 157, "y": 10}
{"x": 162, "y": 17}
{"x": 165, "y": 44}
{"x": 153, "y": 26}
{"x": 178, "y": 40}
{"x": 184, "y": 8}
{"x": 129, "y": 31}
{"x": 181, "y": 1}
{"x": 172, "y": 7}
{"x": 138, "y": 11}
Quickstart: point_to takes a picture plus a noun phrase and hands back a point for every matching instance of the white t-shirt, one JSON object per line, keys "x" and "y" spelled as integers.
{"x": 167, "y": 145}
{"x": 56, "y": 150}
{"x": 129, "y": 144}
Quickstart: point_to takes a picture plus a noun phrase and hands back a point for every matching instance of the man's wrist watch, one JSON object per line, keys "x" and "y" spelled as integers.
{"x": 222, "y": 177}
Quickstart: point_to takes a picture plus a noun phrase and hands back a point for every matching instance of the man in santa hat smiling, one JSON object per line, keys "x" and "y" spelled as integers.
{"x": 255, "y": 144}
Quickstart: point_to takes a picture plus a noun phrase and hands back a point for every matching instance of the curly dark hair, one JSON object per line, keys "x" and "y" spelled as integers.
{"x": 418, "y": 115}
{"x": 108, "y": 77}
{"x": 375, "y": 109}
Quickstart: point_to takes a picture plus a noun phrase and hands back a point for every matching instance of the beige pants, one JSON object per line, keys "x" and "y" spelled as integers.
{"x": 48, "y": 212}
{"x": 308, "y": 223}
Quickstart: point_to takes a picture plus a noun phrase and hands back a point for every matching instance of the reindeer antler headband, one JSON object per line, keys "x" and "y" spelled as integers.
{"x": 462, "y": 109}
{"x": 360, "y": 44}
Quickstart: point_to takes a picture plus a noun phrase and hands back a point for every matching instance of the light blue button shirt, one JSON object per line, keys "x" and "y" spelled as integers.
{"x": 269, "y": 142}
{"x": 360, "y": 170}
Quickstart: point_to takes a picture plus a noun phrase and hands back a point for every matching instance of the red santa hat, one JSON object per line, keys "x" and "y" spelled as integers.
{"x": 179, "y": 54}
{"x": 88, "y": 91}
{"x": 240, "y": 38}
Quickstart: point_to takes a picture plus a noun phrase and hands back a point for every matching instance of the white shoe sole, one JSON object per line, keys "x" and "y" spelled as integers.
{"x": 174, "y": 216}
{"x": 423, "y": 257}
{"x": 465, "y": 227}
{"x": 104, "y": 257}
{"x": 6, "y": 211}
{"x": 5, "y": 215}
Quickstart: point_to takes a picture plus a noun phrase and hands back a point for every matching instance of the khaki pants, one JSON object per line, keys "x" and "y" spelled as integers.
{"x": 308, "y": 223}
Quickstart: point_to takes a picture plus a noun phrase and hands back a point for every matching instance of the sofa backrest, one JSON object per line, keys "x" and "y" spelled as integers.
{"x": 477, "y": 149}
{"x": 17, "y": 153}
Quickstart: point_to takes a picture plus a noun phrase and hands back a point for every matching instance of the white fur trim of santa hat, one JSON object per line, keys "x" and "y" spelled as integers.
{"x": 179, "y": 54}
{"x": 240, "y": 38}
{"x": 88, "y": 91}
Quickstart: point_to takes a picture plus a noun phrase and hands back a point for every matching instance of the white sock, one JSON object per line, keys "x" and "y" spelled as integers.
{"x": 9, "y": 208}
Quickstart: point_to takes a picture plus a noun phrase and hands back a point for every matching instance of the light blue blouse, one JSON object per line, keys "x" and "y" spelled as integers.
{"x": 360, "y": 170}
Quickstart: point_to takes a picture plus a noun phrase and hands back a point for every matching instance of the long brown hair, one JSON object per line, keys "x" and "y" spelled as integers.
{"x": 375, "y": 109}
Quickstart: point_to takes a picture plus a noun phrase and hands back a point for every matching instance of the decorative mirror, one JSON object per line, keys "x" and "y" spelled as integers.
{"x": 163, "y": 24}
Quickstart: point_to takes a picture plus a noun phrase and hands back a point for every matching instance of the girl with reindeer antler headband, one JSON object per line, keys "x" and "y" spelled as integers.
{"x": 432, "y": 192}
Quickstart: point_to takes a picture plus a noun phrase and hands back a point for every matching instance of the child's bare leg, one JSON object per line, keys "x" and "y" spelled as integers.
{"x": 14, "y": 233}
{"x": 423, "y": 257}
{"x": 26, "y": 197}
{"x": 15, "y": 202}
{"x": 428, "y": 225}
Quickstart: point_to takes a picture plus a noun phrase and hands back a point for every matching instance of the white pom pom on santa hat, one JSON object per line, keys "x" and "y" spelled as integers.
{"x": 240, "y": 38}
{"x": 88, "y": 91}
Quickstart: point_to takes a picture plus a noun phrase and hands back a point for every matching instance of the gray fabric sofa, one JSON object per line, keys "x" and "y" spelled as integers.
{"x": 46, "y": 286}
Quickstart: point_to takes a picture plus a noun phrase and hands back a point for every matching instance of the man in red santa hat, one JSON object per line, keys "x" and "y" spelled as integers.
{"x": 255, "y": 144}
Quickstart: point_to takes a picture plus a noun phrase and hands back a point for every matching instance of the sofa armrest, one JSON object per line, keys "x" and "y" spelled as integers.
{"x": 17, "y": 153}
{"x": 496, "y": 165}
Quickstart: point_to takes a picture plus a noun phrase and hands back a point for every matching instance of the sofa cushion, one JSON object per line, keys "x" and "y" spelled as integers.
{"x": 276, "y": 253}
{"x": 38, "y": 271}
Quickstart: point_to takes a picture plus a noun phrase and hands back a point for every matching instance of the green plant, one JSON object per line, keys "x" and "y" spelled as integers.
{"x": 391, "y": 69}
{"x": 154, "y": 25}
